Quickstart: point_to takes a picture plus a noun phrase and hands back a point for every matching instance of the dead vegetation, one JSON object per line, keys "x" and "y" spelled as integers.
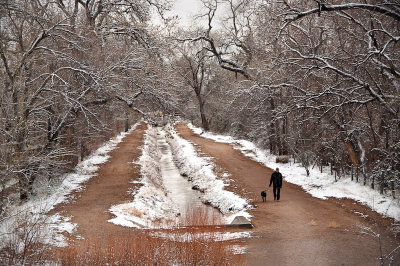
{"x": 188, "y": 245}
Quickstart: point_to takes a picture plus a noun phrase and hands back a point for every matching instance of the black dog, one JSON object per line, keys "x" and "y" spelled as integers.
{"x": 264, "y": 195}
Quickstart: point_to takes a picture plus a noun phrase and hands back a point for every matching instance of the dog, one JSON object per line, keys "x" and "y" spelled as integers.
{"x": 264, "y": 195}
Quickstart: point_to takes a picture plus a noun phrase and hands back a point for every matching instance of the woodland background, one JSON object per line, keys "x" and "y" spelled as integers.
{"x": 317, "y": 80}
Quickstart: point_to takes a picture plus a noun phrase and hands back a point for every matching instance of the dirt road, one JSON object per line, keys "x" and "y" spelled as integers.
{"x": 299, "y": 229}
{"x": 109, "y": 187}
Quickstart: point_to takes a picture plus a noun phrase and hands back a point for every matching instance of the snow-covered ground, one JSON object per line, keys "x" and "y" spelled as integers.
{"x": 33, "y": 214}
{"x": 320, "y": 185}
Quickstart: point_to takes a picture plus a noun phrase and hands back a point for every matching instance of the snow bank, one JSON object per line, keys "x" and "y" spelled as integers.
{"x": 200, "y": 171}
{"x": 320, "y": 185}
{"x": 190, "y": 236}
{"x": 150, "y": 208}
{"x": 33, "y": 213}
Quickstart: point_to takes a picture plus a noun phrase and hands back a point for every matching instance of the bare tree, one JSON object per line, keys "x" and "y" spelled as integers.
{"x": 323, "y": 79}
{"x": 60, "y": 75}
{"x": 194, "y": 67}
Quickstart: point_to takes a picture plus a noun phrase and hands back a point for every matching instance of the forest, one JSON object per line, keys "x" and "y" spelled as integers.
{"x": 314, "y": 80}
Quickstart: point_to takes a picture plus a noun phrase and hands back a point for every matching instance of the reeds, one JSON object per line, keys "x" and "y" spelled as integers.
{"x": 142, "y": 248}
{"x": 194, "y": 242}
{"x": 202, "y": 216}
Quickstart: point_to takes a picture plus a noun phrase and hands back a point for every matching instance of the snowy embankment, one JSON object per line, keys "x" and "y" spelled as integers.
{"x": 150, "y": 208}
{"x": 32, "y": 215}
{"x": 320, "y": 185}
{"x": 199, "y": 170}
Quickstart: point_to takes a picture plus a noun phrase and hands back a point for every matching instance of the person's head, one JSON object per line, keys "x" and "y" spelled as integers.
{"x": 277, "y": 170}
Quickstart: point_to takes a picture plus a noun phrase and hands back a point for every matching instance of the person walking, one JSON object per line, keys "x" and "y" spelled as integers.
{"x": 276, "y": 180}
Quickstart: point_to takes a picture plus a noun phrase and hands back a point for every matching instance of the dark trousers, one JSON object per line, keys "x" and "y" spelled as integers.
{"x": 277, "y": 193}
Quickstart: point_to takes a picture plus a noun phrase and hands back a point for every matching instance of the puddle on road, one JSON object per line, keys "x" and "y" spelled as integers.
{"x": 179, "y": 189}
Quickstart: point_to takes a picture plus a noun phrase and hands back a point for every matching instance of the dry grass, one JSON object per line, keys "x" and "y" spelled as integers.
{"x": 135, "y": 212}
{"x": 199, "y": 217}
{"x": 22, "y": 246}
{"x": 188, "y": 245}
{"x": 142, "y": 248}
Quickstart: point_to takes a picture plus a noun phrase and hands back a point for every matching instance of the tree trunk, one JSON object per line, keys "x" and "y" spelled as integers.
{"x": 393, "y": 190}
{"x": 126, "y": 125}
{"x": 204, "y": 121}
{"x": 273, "y": 136}
{"x": 278, "y": 138}
{"x": 365, "y": 176}
{"x": 23, "y": 188}
{"x": 283, "y": 147}
{"x": 79, "y": 149}
{"x": 373, "y": 183}
{"x": 382, "y": 184}
{"x": 2, "y": 198}
{"x": 357, "y": 174}
{"x": 352, "y": 173}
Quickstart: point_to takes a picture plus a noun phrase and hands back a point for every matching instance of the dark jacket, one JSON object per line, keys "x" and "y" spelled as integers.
{"x": 276, "y": 179}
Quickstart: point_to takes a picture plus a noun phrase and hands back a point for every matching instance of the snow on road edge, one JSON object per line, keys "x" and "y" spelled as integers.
{"x": 35, "y": 210}
{"x": 150, "y": 208}
{"x": 319, "y": 185}
{"x": 199, "y": 170}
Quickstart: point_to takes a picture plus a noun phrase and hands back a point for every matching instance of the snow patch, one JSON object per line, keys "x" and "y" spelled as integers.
{"x": 238, "y": 250}
{"x": 59, "y": 225}
{"x": 190, "y": 237}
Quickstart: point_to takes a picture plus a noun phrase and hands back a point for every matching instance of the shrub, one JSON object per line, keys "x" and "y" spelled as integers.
{"x": 22, "y": 243}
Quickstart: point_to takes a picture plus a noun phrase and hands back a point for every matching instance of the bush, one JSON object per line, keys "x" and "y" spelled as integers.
{"x": 22, "y": 243}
